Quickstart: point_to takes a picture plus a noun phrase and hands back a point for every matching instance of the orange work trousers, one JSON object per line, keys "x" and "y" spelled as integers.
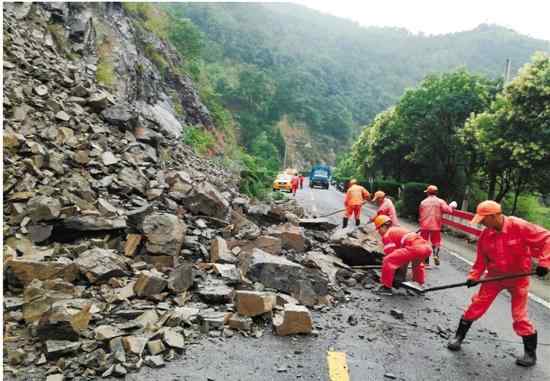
{"x": 353, "y": 210}
{"x": 401, "y": 257}
{"x": 482, "y": 300}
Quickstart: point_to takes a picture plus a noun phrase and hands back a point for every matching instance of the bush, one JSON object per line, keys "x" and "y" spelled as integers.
{"x": 105, "y": 73}
{"x": 200, "y": 140}
{"x": 387, "y": 186}
{"x": 412, "y": 195}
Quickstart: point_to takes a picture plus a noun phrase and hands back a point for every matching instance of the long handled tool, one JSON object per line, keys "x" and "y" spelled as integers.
{"x": 461, "y": 284}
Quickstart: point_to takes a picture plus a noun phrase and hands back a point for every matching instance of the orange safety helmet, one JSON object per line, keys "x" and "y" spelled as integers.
{"x": 381, "y": 220}
{"x": 432, "y": 189}
{"x": 352, "y": 182}
{"x": 484, "y": 209}
{"x": 378, "y": 195}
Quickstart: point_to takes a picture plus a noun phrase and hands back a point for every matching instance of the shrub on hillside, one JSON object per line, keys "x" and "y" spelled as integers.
{"x": 387, "y": 186}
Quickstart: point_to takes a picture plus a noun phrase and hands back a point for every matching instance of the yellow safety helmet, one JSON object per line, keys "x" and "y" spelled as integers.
{"x": 381, "y": 220}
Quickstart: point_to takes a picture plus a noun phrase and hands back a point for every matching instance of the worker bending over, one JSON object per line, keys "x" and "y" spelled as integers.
{"x": 505, "y": 246}
{"x": 400, "y": 248}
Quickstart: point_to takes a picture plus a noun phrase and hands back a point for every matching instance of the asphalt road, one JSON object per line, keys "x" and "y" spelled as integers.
{"x": 379, "y": 346}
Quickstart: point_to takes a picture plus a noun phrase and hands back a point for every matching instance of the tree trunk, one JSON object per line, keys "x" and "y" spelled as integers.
{"x": 492, "y": 184}
{"x": 517, "y": 193}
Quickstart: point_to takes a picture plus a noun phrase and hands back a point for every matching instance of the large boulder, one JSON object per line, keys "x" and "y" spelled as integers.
{"x": 121, "y": 116}
{"x": 92, "y": 223}
{"x": 42, "y": 208}
{"x": 328, "y": 264}
{"x": 164, "y": 233}
{"x": 309, "y": 286}
{"x": 207, "y": 200}
{"x": 292, "y": 236}
{"x": 99, "y": 264}
{"x": 27, "y": 270}
{"x": 358, "y": 251}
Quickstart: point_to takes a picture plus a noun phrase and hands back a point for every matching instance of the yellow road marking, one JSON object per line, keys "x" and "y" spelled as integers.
{"x": 337, "y": 366}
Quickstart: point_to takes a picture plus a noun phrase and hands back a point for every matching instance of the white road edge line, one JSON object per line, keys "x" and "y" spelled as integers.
{"x": 533, "y": 297}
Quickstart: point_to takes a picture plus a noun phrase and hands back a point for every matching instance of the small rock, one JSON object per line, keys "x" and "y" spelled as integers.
{"x": 63, "y": 116}
{"x": 150, "y": 283}
{"x": 154, "y": 361}
{"x": 294, "y": 319}
{"x": 173, "y": 338}
{"x": 106, "y": 332}
{"x": 241, "y": 323}
{"x": 252, "y": 303}
{"x": 398, "y": 314}
{"x": 155, "y": 347}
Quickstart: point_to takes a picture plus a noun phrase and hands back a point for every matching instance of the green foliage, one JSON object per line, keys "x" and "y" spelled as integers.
{"x": 512, "y": 137}
{"x": 156, "y": 57}
{"x": 530, "y": 209}
{"x": 186, "y": 38}
{"x": 105, "y": 73}
{"x": 199, "y": 139}
{"x": 58, "y": 34}
{"x": 387, "y": 186}
{"x": 412, "y": 195}
{"x": 327, "y": 72}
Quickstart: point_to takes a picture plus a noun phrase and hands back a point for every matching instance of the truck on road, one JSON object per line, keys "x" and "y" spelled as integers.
{"x": 320, "y": 176}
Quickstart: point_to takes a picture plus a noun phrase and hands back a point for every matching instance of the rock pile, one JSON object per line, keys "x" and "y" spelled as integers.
{"x": 122, "y": 246}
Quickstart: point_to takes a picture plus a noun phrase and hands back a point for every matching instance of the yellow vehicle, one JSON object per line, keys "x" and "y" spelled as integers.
{"x": 282, "y": 182}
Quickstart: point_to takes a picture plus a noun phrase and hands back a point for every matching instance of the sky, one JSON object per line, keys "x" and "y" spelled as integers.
{"x": 530, "y": 17}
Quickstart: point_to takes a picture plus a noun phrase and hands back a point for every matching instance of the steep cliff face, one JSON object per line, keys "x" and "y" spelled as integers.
{"x": 105, "y": 40}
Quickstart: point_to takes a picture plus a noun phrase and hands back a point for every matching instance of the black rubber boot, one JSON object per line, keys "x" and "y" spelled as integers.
{"x": 345, "y": 223}
{"x": 530, "y": 347}
{"x": 463, "y": 327}
{"x": 436, "y": 256}
{"x": 357, "y": 222}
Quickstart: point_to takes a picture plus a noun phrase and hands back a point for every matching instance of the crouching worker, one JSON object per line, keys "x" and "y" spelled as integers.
{"x": 400, "y": 247}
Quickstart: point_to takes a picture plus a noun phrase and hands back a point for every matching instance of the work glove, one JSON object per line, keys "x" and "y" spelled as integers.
{"x": 471, "y": 282}
{"x": 541, "y": 271}
{"x": 453, "y": 204}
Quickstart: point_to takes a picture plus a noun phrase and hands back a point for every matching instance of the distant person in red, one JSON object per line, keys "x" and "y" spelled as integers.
{"x": 294, "y": 184}
{"x": 431, "y": 213}
{"x": 301, "y": 182}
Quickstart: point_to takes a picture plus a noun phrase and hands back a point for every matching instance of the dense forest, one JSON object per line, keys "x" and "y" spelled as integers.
{"x": 398, "y": 107}
{"x": 269, "y": 60}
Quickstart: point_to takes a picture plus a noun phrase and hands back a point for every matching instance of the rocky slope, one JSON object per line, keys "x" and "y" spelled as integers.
{"x": 121, "y": 246}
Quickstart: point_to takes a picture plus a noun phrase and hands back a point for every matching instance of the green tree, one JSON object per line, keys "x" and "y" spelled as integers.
{"x": 513, "y": 135}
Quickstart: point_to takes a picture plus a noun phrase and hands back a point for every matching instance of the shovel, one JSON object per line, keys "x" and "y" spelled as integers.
{"x": 421, "y": 290}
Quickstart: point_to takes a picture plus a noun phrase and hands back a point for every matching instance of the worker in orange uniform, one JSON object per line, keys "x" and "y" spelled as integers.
{"x": 505, "y": 246}
{"x": 400, "y": 247}
{"x": 431, "y": 212}
{"x": 385, "y": 207}
{"x": 294, "y": 184}
{"x": 356, "y": 196}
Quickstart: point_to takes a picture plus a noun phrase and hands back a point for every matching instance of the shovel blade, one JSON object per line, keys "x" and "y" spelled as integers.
{"x": 413, "y": 287}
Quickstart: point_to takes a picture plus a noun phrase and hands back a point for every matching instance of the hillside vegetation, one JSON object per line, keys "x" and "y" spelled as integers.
{"x": 264, "y": 61}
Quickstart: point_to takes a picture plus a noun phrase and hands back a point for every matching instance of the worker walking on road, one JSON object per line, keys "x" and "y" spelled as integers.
{"x": 431, "y": 213}
{"x": 505, "y": 246}
{"x": 356, "y": 196}
{"x": 385, "y": 207}
{"x": 294, "y": 184}
{"x": 400, "y": 247}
